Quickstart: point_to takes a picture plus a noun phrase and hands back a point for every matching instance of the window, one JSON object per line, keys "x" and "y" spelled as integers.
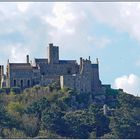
{"x": 21, "y": 82}
{"x": 28, "y": 83}
{"x": 69, "y": 70}
{"x": 14, "y": 83}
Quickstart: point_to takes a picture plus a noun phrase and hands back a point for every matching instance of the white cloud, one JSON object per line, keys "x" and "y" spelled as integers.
{"x": 18, "y": 53}
{"x": 130, "y": 84}
{"x": 23, "y": 6}
{"x": 99, "y": 42}
{"x": 62, "y": 18}
{"x": 121, "y": 16}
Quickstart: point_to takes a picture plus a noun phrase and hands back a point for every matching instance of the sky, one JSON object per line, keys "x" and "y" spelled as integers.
{"x": 108, "y": 31}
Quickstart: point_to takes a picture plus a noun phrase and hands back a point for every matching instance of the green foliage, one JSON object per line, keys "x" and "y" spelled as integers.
{"x": 111, "y": 98}
{"x": 6, "y": 121}
{"x": 30, "y": 125}
{"x": 15, "y": 108}
{"x": 2, "y": 90}
{"x": 5, "y": 90}
{"x": 48, "y": 112}
{"x": 37, "y": 107}
{"x": 79, "y": 124}
{"x": 52, "y": 119}
{"x": 13, "y": 133}
{"x": 15, "y": 90}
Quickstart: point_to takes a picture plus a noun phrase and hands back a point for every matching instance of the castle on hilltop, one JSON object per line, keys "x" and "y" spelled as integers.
{"x": 83, "y": 77}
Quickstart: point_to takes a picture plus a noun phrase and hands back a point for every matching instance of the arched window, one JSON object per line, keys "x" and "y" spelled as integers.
{"x": 15, "y": 83}
{"x": 28, "y": 83}
{"x": 21, "y": 83}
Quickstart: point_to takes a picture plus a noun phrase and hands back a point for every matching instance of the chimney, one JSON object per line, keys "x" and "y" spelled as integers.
{"x": 50, "y": 44}
{"x": 89, "y": 58}
{"x": 81, "y": 64}
{"x": 27, "y": 58}
{"x": 97, "y": 61}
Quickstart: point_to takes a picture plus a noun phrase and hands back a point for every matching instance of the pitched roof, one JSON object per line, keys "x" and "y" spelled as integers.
{"x": 20, "y": 66}
{"x": 41, "y": 60}
{"x": 67, "y": 61}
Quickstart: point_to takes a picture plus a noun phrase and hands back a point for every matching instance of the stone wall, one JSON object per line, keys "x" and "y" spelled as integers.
{"x": 68, "y": 81}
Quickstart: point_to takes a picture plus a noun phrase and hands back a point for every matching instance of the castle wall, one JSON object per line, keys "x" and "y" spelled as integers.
{"x": 96, "y": 83}
{"x": 36, "y": 77}
{"x": 85, "y": 84}
{"x": 78, "y": 82}
{"x": 21, "y": 82}
{"x": 46, "y": 80}
{"x": 67, "y": 81}
{"x": 19, "y": 75}
{"x": 59, "y": 69}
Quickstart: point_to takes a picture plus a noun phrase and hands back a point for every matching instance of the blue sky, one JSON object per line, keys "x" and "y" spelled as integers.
{"x": 109, "y": 31}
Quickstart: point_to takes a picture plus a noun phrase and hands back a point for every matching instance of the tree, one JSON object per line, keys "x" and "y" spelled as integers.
{"x": 30, "y": 125}
{"x": 101, "y": 121}
{"x": 52, "y": 120}
{"x": 7, "y": 121}
{"x": 15, "y": 108}
{"x": 79, "y": 123}
{"x": 123, "y": 125}
{"x": 37, "y": 107}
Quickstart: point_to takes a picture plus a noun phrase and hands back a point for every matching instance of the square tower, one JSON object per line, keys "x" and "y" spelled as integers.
{"x": 53, "y": 54}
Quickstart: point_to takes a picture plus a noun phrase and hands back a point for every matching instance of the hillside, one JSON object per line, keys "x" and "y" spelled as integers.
{"x": 48, "y": 112}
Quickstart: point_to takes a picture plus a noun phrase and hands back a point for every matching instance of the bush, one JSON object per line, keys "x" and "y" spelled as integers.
{"x": 5, "y": 90}
{"x": 16, "y": 90}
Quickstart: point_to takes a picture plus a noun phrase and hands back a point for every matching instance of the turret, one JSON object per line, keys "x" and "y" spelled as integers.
{"x": 85, "y": 66}
{"x": 97, "y": 61}
{"x": 81, "y": 59}
{"x": 89, "y": 58}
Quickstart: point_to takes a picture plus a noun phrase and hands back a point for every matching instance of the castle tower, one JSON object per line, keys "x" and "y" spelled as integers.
{"x": 85, "y": 75}
{"x": 85, "y": 66}
{"x": 53, "y": 54}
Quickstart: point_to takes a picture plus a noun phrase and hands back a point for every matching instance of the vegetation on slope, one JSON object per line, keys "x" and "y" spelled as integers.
{"x": 48, "y": 112}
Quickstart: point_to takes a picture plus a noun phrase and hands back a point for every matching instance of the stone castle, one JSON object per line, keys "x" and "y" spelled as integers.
{"x": 83, "y": 77}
